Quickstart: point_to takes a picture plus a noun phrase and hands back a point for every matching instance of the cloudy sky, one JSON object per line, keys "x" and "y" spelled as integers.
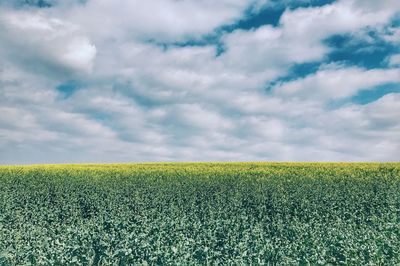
{"x": 199, "y": 80}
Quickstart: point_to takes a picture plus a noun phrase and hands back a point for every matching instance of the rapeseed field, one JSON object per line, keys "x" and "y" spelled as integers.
{"x": 200, "y": 213}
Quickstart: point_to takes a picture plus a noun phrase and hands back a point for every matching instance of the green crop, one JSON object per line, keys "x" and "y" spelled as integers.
{"x": 205, "y": 213}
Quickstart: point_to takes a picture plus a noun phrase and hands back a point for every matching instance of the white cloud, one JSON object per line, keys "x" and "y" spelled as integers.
{"x": 39, "y": 43}
{"x": 140, "y": 102}
{"x": 392, "y": 35}
{"x": 160, "y": 20}
{"x": 269, "y": 51}
{"x": 332, "y": 82}
{"x": 394, "y": 60}
{"x": 26, "y": 129}
{"x": 368, "y": 132}
{"x": 390, "y": 6}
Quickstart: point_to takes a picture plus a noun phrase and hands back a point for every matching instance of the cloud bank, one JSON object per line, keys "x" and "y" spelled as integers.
{"x": 164, "y": 80}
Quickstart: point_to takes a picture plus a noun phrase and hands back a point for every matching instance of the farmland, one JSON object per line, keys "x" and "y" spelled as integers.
{"x": 203, "y": 213}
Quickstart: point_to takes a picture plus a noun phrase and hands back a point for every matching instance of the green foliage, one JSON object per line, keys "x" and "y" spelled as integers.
{"x": 206, "y": 213}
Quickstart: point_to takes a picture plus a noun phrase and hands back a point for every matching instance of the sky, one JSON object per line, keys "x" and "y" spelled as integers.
{"x": 199, "y": 80}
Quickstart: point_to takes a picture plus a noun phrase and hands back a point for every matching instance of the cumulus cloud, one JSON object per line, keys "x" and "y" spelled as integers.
{"x": 373, "y": 128}
{"x": 39, "y": 43}
{"x": 165, "y": 20}
{"x": 149, "y": 92}
{"x": 335, "y": 82}
{"x": 394, "y": 60}
{"x": 392, "y": 35}
{"x": 298, "y": 39}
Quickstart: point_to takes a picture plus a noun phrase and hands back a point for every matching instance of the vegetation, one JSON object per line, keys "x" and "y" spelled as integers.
{"x": 206, "y": 213}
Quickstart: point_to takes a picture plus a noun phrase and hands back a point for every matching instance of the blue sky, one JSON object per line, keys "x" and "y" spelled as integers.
{"x": 229, "y": 80}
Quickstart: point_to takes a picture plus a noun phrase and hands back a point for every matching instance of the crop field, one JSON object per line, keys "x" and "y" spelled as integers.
{"x": 200, "y": 213}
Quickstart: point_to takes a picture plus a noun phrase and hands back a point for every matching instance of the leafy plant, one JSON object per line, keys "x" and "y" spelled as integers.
{"x": 205, "y": 213}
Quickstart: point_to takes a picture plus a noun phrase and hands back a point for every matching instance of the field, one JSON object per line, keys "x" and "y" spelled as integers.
{"x": 206, "y": 213}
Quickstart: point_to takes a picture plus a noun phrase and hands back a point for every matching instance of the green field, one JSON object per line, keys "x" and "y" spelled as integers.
{"x": 206, "y": 213}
